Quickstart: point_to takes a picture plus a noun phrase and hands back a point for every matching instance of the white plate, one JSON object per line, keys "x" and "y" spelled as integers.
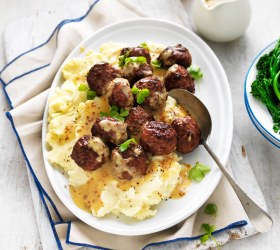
{"x": 213, "y": 90}
{"x": 257, "y": 111}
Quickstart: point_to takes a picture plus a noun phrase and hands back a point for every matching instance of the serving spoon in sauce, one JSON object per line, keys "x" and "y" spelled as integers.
{"x": 258, "y": 217}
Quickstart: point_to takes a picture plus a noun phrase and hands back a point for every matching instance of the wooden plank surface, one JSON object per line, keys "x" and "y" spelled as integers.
{"x": 19, "y": 229}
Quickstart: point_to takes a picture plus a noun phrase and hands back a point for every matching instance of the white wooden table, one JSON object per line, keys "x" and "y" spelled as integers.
{"x": 18, "y": 227}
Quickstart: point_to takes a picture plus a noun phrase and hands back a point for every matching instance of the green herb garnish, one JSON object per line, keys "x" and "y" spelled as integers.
{"x": 195, "y": 72}
{"x": 144, "y": 45}
{"x": 83, "y": 87}
{"x": 124, "y": 146}
{"x": 156, "y": 64}
{"x": 198, "y": 171}
{"x": 116, "y": 113}
{"x": 91, "y": 94}
{"x": 141, "y": 94}
{"x": 266, "y": 86}
{"x": 208, "y": 230}
{"x": 134, "y": 59}
{"x": 122, "y": 58}
{"x": 211, "y": 209}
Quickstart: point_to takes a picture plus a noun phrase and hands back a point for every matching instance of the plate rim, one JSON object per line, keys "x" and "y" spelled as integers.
{"x": 222, "y": 74}
{"x": 247, "y": 103}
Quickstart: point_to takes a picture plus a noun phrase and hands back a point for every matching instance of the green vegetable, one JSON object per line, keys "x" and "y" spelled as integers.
{"x": 156, "y": 64}
{"x": 208, "y": 230}
{"x": 266, "y": 86}
{"x": 141, "y": 94}
{"x": 91, "y": 94}
{"x": 195, "y": 72}
{"x": 133, "y": 59}
{"x": 211, "y": 209}
{"x": 124, "y": 146}
{"x": 198, "y": 172}
{"x": 116, "y": 113}
{"x": 122, "y": 59}
{"x": 144, "y": 45}
{"x": 83, "y": 87}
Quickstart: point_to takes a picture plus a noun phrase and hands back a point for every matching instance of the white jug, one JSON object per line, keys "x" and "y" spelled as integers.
{"x": 221, "y": 20}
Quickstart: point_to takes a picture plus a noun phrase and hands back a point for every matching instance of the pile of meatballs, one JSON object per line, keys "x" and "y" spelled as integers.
{"x": 90, "y": 152}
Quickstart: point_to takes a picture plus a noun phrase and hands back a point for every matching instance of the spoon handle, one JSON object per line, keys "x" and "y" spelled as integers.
{"x": 258, "y": 217}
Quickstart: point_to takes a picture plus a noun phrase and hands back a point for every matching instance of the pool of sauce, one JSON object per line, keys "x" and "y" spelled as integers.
{"x": 87, "y": 196}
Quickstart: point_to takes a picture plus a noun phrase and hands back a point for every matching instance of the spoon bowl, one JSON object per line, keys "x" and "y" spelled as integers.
{"x": 258, "y": 217}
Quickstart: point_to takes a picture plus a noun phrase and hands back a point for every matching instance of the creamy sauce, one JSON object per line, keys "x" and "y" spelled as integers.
{"x": 87, "y": 196}
{"x": 97, "y": 145}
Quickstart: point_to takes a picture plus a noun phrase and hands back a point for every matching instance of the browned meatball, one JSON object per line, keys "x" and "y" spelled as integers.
{"x": 175, "y": 55}
{"x": 90, "y": 153}
{"x": 110, "y": 130}
{"x": 130, "y": 163}
{"x": 178, "y": 77}
{"x": 158, "y": 138}
{"x": 136, "y": 119}
{"x": 135, "y": 52}
{"x": 119, "y": 93}
{"x": 100, "y": 75}
{"x": 188, "y": 134}
{"x": 158, "y": 94}
{"x": 135, "y": 71}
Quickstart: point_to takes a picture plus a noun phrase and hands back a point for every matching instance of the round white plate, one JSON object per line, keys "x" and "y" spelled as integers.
{"x": 213, "y": 90}
{"x": 257, "y": 111}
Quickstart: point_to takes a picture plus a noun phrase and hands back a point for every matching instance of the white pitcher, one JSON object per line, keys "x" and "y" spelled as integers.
{"x": 221, "y": 20}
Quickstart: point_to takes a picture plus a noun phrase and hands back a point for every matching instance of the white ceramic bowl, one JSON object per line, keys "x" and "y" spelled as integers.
{"x": 213, "y": 90}
{"x": 257, "y": 111}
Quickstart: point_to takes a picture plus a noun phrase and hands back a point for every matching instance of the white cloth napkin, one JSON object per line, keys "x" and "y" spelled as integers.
{"x": 26, "y": 81}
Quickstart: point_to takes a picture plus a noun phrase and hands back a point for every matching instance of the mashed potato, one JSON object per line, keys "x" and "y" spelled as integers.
{"x": 71, "y": 116}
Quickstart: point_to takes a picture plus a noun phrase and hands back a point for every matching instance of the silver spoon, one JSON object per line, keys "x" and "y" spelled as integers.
{"x": 258, "y": 217}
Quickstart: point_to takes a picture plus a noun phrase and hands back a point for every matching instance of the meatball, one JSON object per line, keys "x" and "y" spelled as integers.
{"x": 90, "y": 153}
{"x": 100, "y": 75}
{"x": 137, "y": 51}
{"x": 119, "y": 93}
{"x": 188, "y": 134}
{"x": 175, "y": 55}
{"x": 178, "y": 77}
{"x": 110, "y": 130}
{"x": 158, "y": 138}
{"x": 130, "y": 163}
{"x": 136, "y": 119}
{"x": 158, "y": 94}
{"x": 134, "y": 71}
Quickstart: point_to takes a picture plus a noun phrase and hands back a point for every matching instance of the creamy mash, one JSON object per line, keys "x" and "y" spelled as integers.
{"x": 71, "y": 116}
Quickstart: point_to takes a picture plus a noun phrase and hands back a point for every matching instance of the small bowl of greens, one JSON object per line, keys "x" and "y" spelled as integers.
{"x": 262, "y": 92}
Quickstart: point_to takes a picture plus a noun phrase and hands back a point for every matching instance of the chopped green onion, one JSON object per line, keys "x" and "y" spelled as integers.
{"x": 195, "y": 72}
{"x": 91, "y": 94}
{"x": 198, "y": 172}
{"x": 134, "y": 90}
{"x": 83, "y": 87}
{"x": 144, "y": 45}
{"x": 124, "y": 112}
{"x": 156, "y": 64}
{"x": 139, "y": 60}
{"x": 124, "y": 146}
{"x": 122, "y": 59}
